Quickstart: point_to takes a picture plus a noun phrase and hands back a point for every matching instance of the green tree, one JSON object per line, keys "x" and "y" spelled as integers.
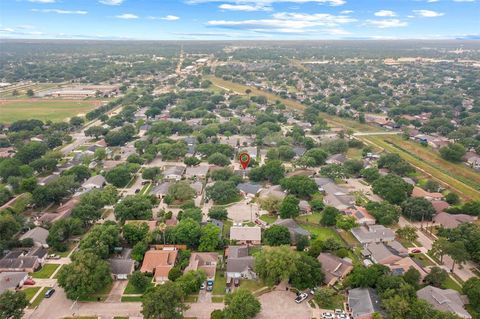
{"x": 12, "y": 304}
{"x": 325, "y": 297}
{"x": 436, "y": 277}
{"x": 301, "y": 186}
{"x": 458, "y": 252}
{"x": 135, "y": 232}
{"x": 139, "y": 280}
{"x": 271, "y": 203}
{"x": 218, "y": 159}
{"x": 276, "y": 235}
{"x": 218, "y": 213}
{"x": 209, "y": 239}
{"x": 9, "y": 226}
{"x": 453, "y": 152}
{"x": 119, "y": 176}
{"x": 139, "y": 250}
{"x": 241, "y": 304}
{"x": 273, "y": 171}
{"x": 134, "y": 207}
{"x": 275, "y": 264}
{"x": 471, "y": 288}
{"x": 309, "y": 273}
{"x": 329, "y": 217}
{"x": 345, "y": 222}
{"x": 188, "y": 232}
{"x": 362, "y": 276}
{"x": 289, "y": 207}
{"x": 151, "y": 173}
{"x": 84, "y": 276}
{"x": 412, "y": 276}
{"x": 370, "y": 174}
{"x": 392, "y": 188}
{"x": 164, "y": 302}
{"x": 440, "y": 248}
{"x": 418, "y": 209}
{"x": 408, "y": 233}
{"x": 384, "y": 212}
{"x": 181, "y": 191}
{"x": 191, "y": 281}
{"x": 222, "y": 192}
{"x": 101, "y": 239}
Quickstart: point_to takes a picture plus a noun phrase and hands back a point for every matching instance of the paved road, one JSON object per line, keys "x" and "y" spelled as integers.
{"x": 375, "y": 133}
{"x": 464, "y": 273}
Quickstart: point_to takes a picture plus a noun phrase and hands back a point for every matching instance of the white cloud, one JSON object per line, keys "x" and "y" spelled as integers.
{"x": 286, "y": 22}
{"x": 346, "y": 11}
{"x": 244, "y": 7}
{"x": 463, "y": 0}
{"x": 111, "y": 2}
{"x": 60, "y": 11}
{"x": 270, "y": 2}
{"x": 428, "y": 13}
{"x": 387, "y": 23}
{"x": 385, "y": 13}
{"x": 127, "y": 16}
{"x": 42, "y": 1}
{"x": 170, "y": 18}
{"x": 432, "y": 1}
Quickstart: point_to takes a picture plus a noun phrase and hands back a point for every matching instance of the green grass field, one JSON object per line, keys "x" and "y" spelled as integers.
{"x": 46, "y": 271}
{"x": 54, "y": 110}
{"x": 30, "y": 292}
{"x": 39, "y": 298}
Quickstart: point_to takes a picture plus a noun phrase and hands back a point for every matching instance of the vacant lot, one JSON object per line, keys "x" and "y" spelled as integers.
{"x": 54, "y": 110}
{"x": 458, "y": 177}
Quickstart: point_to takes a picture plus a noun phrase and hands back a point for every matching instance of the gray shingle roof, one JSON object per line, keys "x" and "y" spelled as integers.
{"x": 363, "y": 301}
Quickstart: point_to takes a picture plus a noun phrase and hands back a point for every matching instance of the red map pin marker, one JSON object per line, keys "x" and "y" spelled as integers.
{"x": 244, "y": 160}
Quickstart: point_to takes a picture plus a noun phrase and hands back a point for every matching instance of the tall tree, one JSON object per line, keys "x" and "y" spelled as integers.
{"x": 12, "y": 304}
{"x": 241, "y": 304}
{"x": 164, "y": 302}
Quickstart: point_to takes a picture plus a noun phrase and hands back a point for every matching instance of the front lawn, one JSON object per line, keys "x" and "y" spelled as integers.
{"x": 131, "y": 290}
{"x": 269, "y": 219}
{"x": 320, "y": 232}
{"x": 39, "y": 298}
{"x": 313, "y": 218}
{"x": 46, "y": 271}
{"x": 100, "y": 295}
{"x": 252, "y": 285}
{"x": 30, "y": 292}
{"x": 131, "y": 299}
{"x": 220, "y": 283}
{"x": 191, "y": 298}
{"x": 450, "y": 284}
{"x": 424, "y": 260}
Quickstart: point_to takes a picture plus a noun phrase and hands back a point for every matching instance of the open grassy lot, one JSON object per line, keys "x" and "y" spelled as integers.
{"x": 39, "y": 298}
{"x": 313, "y": 218}
{"x": 131, "y": 290}
{"x": 458, "y": 177}
{"x": 54, "y": 110}
{"x": 321, "y": 233}
{"x": 46, "y": 271}
{"x": 30, "y": 292}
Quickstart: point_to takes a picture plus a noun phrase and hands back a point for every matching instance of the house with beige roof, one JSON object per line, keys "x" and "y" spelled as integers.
{"x": 447, "y": 220}
{"x": 334, "y": 268}
{"x": 246, "y": 235}
{"x": 204, "y": 261}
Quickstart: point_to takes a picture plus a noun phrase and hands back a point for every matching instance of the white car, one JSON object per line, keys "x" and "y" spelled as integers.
{"x": 342, "y": 316}
{"x": 328, "y": 315}
{"x": 301, "y": 297}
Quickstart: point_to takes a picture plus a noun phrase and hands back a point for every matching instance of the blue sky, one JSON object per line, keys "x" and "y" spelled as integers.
{"x": 239, "y": 19}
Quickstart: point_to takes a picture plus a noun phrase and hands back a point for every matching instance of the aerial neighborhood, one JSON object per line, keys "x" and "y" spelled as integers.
{"x": 350, "y": 205}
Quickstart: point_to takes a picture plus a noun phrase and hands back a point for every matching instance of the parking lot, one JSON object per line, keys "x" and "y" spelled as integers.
{"x": 281, "y": 305}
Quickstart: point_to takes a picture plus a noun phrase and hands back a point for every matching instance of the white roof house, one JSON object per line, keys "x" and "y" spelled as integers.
{"x": 246, "y": 234}
{"x": 97, "y": 181}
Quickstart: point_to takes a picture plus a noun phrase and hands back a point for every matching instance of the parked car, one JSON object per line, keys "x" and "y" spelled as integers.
{"x": 236, "y": 282}
{"x": 339, "y": 311}
{"x": 49, "y": 293}
{"x": 328, "y": 315}
{"x": 342, "y": 316}
{"x": 209, "y": 285}
{"x": 203, "y": 286}
{"x": 53, "y": 256}
{"x": 416, "y": 251}
{"x": 29, "y": 282}
{"x": 301, "y": 297}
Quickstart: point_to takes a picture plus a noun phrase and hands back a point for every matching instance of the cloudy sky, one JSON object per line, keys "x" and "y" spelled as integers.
{"x": 239, "y": 19}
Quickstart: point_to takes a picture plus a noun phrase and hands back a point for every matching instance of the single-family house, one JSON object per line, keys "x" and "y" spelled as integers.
{"x": 19, "y": 260}
{"x": 205, "y": 261}
{"x": 379, "y": 253}
{"x": 334, "y": 268}
{"x": 174, "y": 173}
{"x": 420, "y": 192}
{"x": 373, "y": 234}
{"x": 160, "y": 190}
{"x": 403, "y": 265}
{"x": 239, "y": 263}
{"x": 121, "y": 268}
{"x": 361, "y": 215}
{"x": 246, "y": 235}
{"x": 12, "y": 280}
{"x": 447, "y": 220}
{"x": 363, "y": 303}
{"x": 440, "y": 206}
{"x": 293, "y": 228}
{"x": 97, "y": 181}
{"x": 199, "y": 171}
{"x": 447, "y": 300}
{"x": 249, "y": 189}
{"x": 38, "y": 235}
{"x": 159, "y": 262}
{"x": 336, "y": 159}
{"x": 337, "y": 197}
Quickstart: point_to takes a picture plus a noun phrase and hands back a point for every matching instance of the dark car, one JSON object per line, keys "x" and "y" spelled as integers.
{"x": 416, "y": 251}
{"x": 236, "y": 282}
{"x": 49, "y": 293}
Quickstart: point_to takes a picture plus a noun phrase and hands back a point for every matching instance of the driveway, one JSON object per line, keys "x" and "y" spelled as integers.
{"x": 281, "y": 305}
{"x": 242, "y": 211}
{"x": 116, "y": 293}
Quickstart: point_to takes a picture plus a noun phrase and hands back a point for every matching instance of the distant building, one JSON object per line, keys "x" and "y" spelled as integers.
{"x": 334, "y": 268}
{"x": 447, "y": 220}
{"x": 446, "y": 300}
{"x": 246, "y": 235}
{"x": 38, "y": 235}
{"x": 373, "y": 234}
